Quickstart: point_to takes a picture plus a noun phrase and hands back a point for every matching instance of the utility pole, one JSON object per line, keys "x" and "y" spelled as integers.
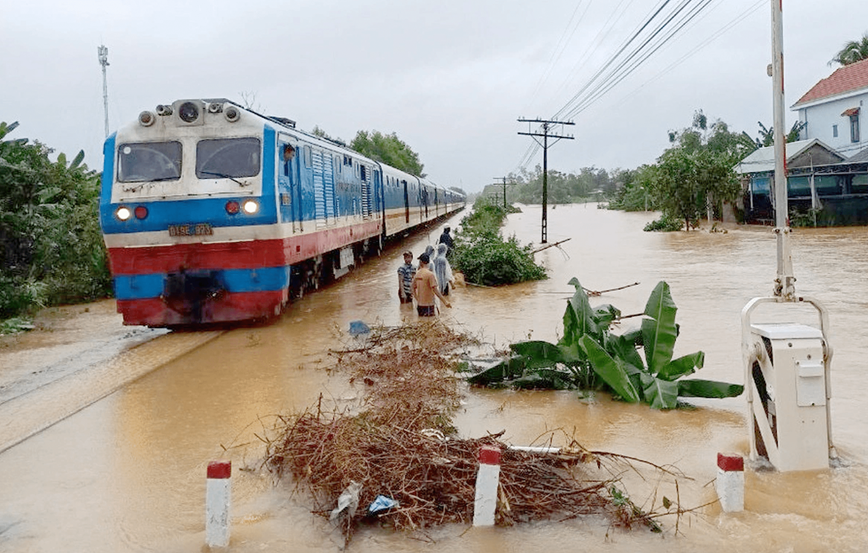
{"x": 504, "y": 189}
{"x": 784, "y": 283}
{"x": 546, "y": 127}
{"x": 103, "y": 61}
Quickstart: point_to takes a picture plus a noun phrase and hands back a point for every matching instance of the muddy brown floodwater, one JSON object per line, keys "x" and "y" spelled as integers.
{"x": 127, "y": 473}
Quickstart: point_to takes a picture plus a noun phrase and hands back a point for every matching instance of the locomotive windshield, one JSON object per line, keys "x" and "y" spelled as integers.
{"x": 228, "y": 158}
{"x": 149, "y": 161}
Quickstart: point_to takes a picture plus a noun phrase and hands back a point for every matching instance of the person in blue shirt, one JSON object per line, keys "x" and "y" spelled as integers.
{"x": 406, "y": 272}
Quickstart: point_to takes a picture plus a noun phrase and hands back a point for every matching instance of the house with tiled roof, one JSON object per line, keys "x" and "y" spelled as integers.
{"x": 833, "y": 110}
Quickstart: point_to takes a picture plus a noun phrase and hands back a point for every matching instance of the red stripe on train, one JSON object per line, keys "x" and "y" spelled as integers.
{"x": 237, "y": 255}
{"x": 228, "y": 308}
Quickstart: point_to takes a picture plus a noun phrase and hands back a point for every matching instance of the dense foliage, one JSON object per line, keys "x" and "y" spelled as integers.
{"x": 590, "y": 357}
{"x": 52, "y": 250}
{"x": 388, "y": 149}
{"x": 484, "y": 257}
{"x": 694, "y": 177}
{"x": 562, "y": 188}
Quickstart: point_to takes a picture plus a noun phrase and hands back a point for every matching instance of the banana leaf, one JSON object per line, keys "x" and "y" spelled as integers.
{"x": 506, "y": 369}
{"x": 695, "y": 387}
{"x": 659, "y": 394}
{"x": 658, "y": 330}
{"x": 538, "y": 353}
{"x": 584, "y": 314}
{"x": 685, "y": 365}
{"x": 624, "y": 347}
{"x": 543, "y": 378}
{"x": 612, "y": 371}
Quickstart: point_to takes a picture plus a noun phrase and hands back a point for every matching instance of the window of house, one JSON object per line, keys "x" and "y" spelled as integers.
{"x": 827, "y": 185}
{"x": 834, "y": 131}
{"x": 799, "y": 186}
{"x": 854, "y": 128}
{"x": 760, "y": 185}
{"x": 860, "y": 184}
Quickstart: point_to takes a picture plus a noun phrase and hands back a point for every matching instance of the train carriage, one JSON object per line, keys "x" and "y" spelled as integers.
{"x": 214, "y": 213}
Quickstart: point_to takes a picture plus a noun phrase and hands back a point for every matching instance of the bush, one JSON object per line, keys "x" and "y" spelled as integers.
{"x": 52, "y": 249}
{"x": 664, "y": 224}
{"x": 485, "y": 258}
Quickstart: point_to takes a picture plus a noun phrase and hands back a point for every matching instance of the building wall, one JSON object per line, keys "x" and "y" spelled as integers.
{"x": 822, "y": 117}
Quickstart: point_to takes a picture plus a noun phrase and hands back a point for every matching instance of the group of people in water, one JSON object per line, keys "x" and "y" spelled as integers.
{"x": 432, "y": 279}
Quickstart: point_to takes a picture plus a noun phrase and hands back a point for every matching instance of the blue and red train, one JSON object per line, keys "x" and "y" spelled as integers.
{"x": 214, "y": 213}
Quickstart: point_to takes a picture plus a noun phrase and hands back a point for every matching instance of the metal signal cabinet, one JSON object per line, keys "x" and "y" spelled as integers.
{"x": 788, "y": 396}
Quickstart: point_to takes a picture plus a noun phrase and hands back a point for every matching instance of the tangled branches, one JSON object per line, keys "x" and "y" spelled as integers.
{"x": 400, "y": 443}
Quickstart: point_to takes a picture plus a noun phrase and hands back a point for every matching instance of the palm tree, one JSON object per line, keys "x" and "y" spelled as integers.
{"x": 853, "y": 51}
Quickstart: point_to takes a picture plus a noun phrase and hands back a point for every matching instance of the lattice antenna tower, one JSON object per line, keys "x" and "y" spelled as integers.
{"x": 102, "y": 51}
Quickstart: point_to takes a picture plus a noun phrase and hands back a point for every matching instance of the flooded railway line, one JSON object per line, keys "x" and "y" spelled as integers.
{"x": 128, "y": 472}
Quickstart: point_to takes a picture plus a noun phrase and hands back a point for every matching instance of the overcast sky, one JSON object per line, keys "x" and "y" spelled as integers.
{"x": 450, "y": 77}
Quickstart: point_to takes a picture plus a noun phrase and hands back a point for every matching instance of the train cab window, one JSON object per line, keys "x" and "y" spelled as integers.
{"x": 364, "y": 173}
{"x": 307, "y": 156}
{"x": 228, "y": 158}
{"x": 149, "y": 161}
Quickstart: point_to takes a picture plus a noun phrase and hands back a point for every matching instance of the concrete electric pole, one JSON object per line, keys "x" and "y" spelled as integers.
{"x": 547, "y": 125}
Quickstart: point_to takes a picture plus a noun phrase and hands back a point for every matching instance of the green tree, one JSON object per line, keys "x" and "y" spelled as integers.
{"x": 853, "y": 51}
{"x": 696, "y": 173}
{"x": 388, "y": 149}
{"x": 52, "y": 250}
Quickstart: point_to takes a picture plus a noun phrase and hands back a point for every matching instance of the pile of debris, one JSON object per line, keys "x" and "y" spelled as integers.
{"x": 397, "y": 458}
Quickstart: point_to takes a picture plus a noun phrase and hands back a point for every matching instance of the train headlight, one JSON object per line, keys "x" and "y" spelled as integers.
{"x": 232, "y": 207}
{"x": 188, "y": 112}
{"x": 123, "y": 213}
{"x": 141, "y": 212}
{"x": 250, "y": 207}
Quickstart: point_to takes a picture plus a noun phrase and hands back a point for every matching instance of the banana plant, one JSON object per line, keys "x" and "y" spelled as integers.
{"x": 589, "y": 356}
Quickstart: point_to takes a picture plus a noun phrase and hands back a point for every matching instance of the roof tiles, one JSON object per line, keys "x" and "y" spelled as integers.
{"x": 845, "y": 79}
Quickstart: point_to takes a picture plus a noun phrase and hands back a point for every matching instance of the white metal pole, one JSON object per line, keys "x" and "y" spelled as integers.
{"x": 784, "y": 283}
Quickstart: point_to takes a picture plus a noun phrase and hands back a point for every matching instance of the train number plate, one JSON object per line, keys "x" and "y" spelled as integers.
{"x": 192, "y": 229}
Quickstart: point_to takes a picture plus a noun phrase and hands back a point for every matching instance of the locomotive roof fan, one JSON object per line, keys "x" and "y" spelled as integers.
{"x": 787, "y": 365}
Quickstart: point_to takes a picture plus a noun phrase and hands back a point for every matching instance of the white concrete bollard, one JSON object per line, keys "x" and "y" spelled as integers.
{"x": 730, "y": 482}
{"x": 487, "y": 480}
{"x": 217, "y": 499}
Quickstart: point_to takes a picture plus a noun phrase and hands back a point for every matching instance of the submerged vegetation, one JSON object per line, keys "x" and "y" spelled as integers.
{"x": 590, "y": 357}
{"x": 484, "y": 257}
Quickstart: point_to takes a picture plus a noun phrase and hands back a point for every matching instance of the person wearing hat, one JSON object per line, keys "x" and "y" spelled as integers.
{"x": 425, "y": 288}
{"x": 406, "y": 272}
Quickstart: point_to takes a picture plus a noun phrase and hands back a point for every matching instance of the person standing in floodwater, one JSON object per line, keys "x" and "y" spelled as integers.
{"x": 442, "y": 269}
{"x": 425, "y": 289}
{"x": 445, "y": 238}
{"x": 406, "y": 272}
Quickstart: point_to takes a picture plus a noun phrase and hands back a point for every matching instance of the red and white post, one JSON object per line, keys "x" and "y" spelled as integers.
{"x": 487, "y": 480}
{"x": 218, "y": 496}
{"x": 730, "y": 482}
